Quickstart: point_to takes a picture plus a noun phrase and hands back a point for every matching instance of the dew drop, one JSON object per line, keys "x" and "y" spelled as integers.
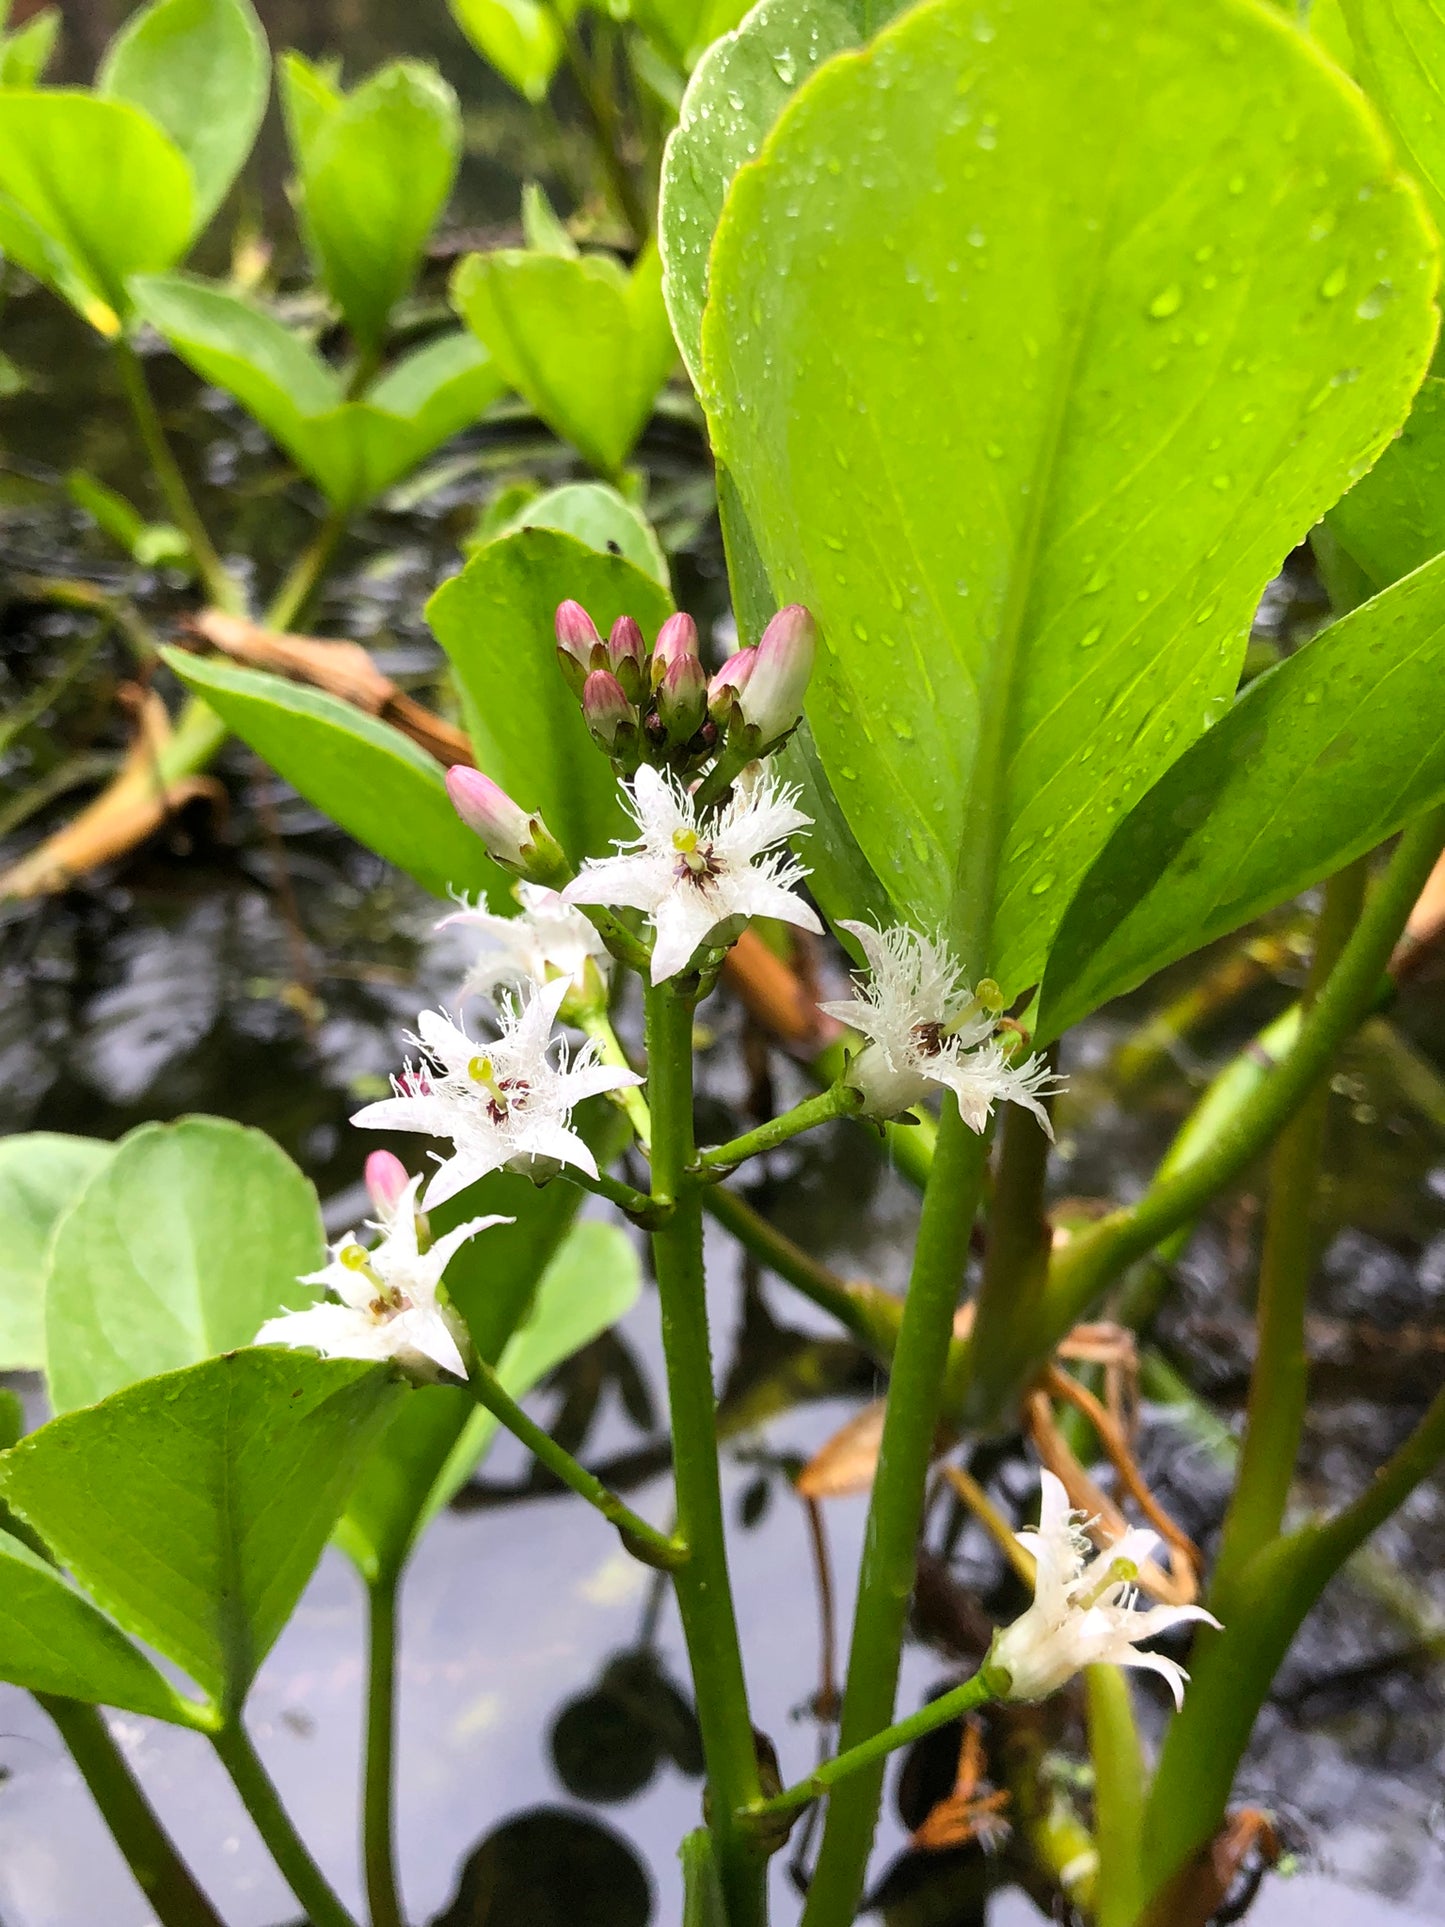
{"x": 1168, "y": 301}
{"x": 1044, "y": 883}
{"x": 1334, "y": 283}
{"x": 1374, "y": 304}
{"x": 1091, "y": 636}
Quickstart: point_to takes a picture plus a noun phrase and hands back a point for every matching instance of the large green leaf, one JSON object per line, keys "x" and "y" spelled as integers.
{"x": 1393, "y": 519}
{"x": 519, "y": 38}
{"x": 353, "y": 450}
{"x": 201, "y": 69}
{"x": 364, "y": 774}
{"x": 52, "y": 1640}
{"x": 683, "y": 29}
{"x": 41, "y": 1174}
{"x": 181, "y": 1245}
{"x": 587, "y": 344}
{"x": 91, "y": 192}
{"x": 740, "y": 86}
{"x": 440, "y": 1437}
{"x": 193, "y": 1506}
{"x": 598, "y": 516}
{"x": 1036, "y": 339}
{"x": 496, "y": 622}
{"x": 374, "y": 173}
{"x": 1317, "y": 762}
{"x": 1399, "y": 60}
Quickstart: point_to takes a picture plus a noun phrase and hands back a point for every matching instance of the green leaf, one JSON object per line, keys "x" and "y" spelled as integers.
{"x": 741, "y": 85}
{"x": 364, "y": 774}
{"x": 682, "y": 29}
{"x": 182, "y": 1244}
{"x": 542, "y": 229}
{"x": 308, "y": 100}
{"x": 41, "y": 1174}
{"x": 374, "y": 175}
{"x": 353, "y": 450}
{"x": 149, "y": 543}
{"x": 496, "y": 622}
{"x": 25, "y": 54}
{"x": 1031, "y": 354}
{"x": 1399, "y": 49}
{"x": 91, "y": 192}
{"x": 193, "y": 1507}
{"x": 1393, "y": 519}
{"x": 518, "y": 38}
{"x": 598, "y": 516}
{"x": 1318, "y": 761}
{"x": 586, "y": 344}
{"x": 201, "y": 69}
{"x": 440, "y": 1437}
{"x": 52, "y": 1640}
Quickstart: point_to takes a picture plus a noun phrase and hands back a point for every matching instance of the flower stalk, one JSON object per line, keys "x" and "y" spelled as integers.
{"x": 293, "y": 1858}
{"x": 378, "y": 1843}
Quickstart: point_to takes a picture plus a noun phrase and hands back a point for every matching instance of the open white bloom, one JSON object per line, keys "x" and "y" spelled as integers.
{"x": 549, "y": 939}
{"x": 701, "y": 881}
{"x": 925, "y": 1027}
{"x": 386, "y": 1303}
{"x": 1083, "y": 1610}
{"x": 504, "y": 1104}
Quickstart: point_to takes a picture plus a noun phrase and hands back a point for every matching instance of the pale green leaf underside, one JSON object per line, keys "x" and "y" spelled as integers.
{"x": 182, "y": 1244}
{"x": 193, "y": 1506}
{"x": 1318, "y": 761}
{"x": 41, "y": 1174}
{"x": 1036, "y": 339}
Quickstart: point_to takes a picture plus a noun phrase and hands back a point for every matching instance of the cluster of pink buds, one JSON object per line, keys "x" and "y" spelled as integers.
{"x": 661, "y": 708}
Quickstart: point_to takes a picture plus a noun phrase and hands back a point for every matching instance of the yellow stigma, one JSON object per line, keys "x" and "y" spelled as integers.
{"x": 989, "y": 997}
{"x": 684, "y": 841}
{"x": 354, "y": 1257}
{"x": 480, "y": 1070}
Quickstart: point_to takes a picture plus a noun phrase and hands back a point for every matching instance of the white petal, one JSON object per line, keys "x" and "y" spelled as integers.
{"x": 336, "y": 1331}
{"x": 685, "y": 918}
{"x": 444, "y": 1040}
{"x": 631, "y": 882}
{"x": 464, "y": 1168}
{"x": 429, "y": 1114}
{"x": 446, "y": 1247}
{"x": 659, "y": 806}
{"x": 425, "y": 1332}
{"x": 590, "y": 1080}
{"x": 548, "y": 1138}
{"x": 756, "y": 895}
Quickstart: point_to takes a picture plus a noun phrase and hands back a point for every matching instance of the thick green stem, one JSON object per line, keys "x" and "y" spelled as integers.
{"x": 378, "y": 1837}
{"x": 644, "y": 1541}
{"x": 159, "y": 1871}
{"x": 1279, "y": 1383}
{"x": 1120, "y": 1785}
{"x": 973, "y": 1693}
{"x": 273, "y": 1823}
{"x": 302, "y": 579}
{"x": 1016, "y": 1261}
{"x": 895, "y": 1514}
{"x": 704, "y": 1594}
{"x": 840, "y": 1101}
{"x": 220, "y": 585}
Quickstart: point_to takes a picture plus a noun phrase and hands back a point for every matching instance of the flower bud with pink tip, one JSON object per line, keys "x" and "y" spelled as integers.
{"x": 770, "y": 702}
{"x": 627, "y": 657}
{"x": 580, "y": 649}
{"x": 676, "y": 642}
{"x": 682, "y": 698}
{"x": 386, "y": 1182}
{"x": 609, "y": 715}
{"x": 726, "y": 687}
{"x": 518, "y": 842}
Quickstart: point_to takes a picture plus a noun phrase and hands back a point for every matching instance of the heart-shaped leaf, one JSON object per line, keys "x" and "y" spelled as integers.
{"x": 1393, "y": 519}
{"x": 182, "y": 1244}
{"x": 598, "y": 516}
{"x": 91, "y": 192}
{"x": 1319, "y": 760}
{"x": 518, "y": 38}
{"x": 374, "y": 170}
{"x": 202, "y": 71}
{"x": 52, "y": 1640}
{"x": 496, "y": 622}
{"x": 584, "y": 342}
{"x": 366, "y": 776}
{"x": 41, "y": 1174}
{"x": 193, "y": 1507}
{"x": 352, "y": 450}
{"x": 1035, "y": 340}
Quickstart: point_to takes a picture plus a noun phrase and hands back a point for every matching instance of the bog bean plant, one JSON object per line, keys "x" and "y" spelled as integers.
{"x": 1030, "y": 338}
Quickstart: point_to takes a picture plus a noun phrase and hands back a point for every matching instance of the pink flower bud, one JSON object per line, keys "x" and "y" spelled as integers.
{"x": 386, "y": 1182}
{"x": 606, "y": 710}
{"x": 577, "y": 638}
{"x": 728, "y": 684}
{"x": 514, "y": 839}
{"x": 676, "y": 642}
{"x": 627, "y": 656}
{"x": 772, "y": 700}
{"x": 682, "y": 698}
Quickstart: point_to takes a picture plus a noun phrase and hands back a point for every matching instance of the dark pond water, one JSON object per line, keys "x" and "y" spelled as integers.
{"x": 251, "y": 962}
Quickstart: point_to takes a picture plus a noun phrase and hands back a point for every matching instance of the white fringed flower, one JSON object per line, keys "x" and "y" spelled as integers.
{"x": 385, "y": 1300}
{"x": 549, "y": 939}
{"x": 1083, "y": 1611}
{"x": 701, "y": 882}
{"x": 505, "y": 1104}
{"x": 924, "y": 1028}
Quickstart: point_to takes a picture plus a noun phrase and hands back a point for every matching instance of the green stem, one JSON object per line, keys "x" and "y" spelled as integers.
{"x": 159, "y": 1871}
{"x": 973, "y": 1693}
{"x": 378, "y": 1838}
{"x": 644, "y": 1541}
{"x": 1096, "y": 1258}
{"x": 602, "y": 119}
{"x": 1016, "y": 1261}
{"x": 595, "y": 1023}
{"x": 842, "y": 1100}
{"x": 704, "y": 1594}
{"x": 1279, "y": 1382}
{"x": 220, "y": 585}
{"x": 273, "y": 1823}
{"x": 300, "y": 583}
{"x": 620, "y": 941}
{"x": 637, "y": 1204}
{"x": 895, "y": 1513}
{"x": 1120, "y": 1786}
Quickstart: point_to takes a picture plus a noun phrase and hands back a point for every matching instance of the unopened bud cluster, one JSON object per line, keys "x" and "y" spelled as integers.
{"x": 659, "y": 707}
